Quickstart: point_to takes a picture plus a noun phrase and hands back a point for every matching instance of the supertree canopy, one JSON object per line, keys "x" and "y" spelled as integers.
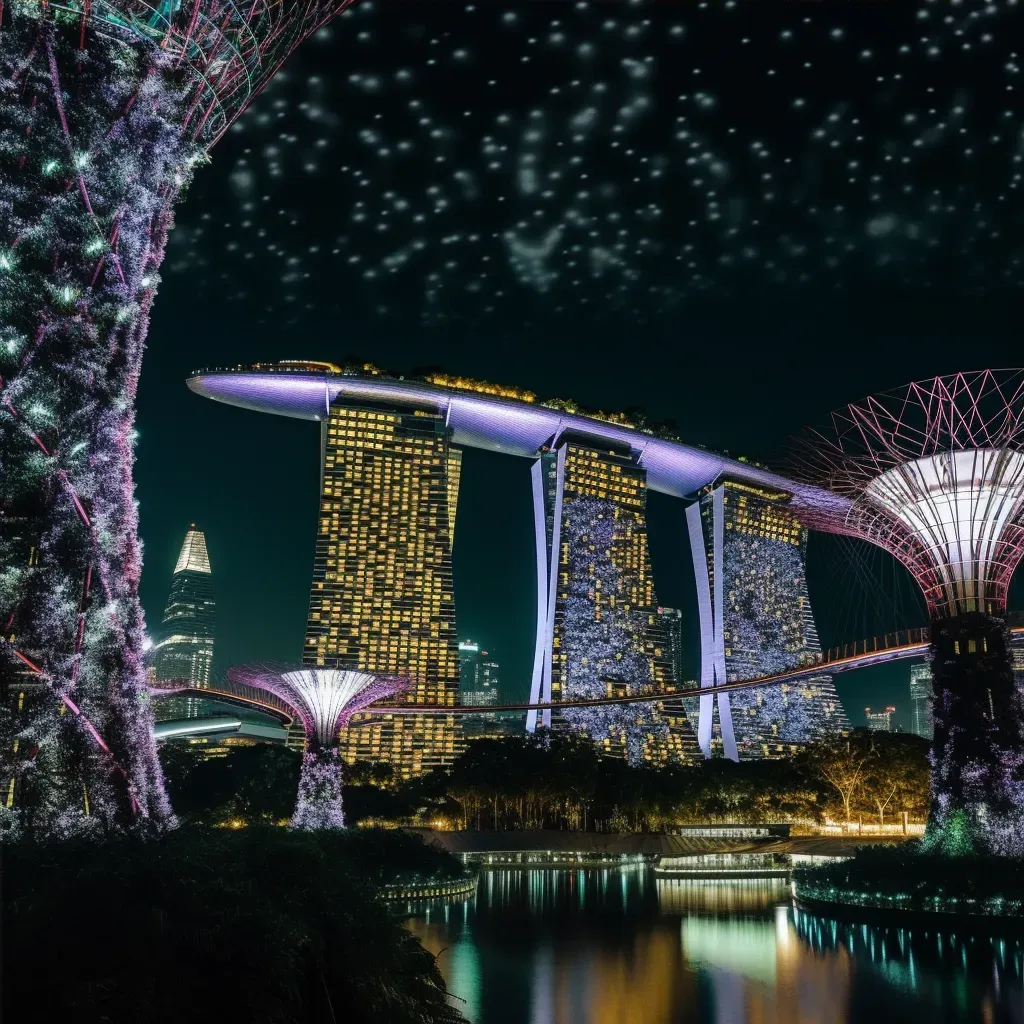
{"x": 105, "y": 109}
{"x": 935, "y": 475}
{"x": 324, "y": 699}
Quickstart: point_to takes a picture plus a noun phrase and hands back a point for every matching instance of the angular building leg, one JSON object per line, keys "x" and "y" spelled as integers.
{"x": 547, "y": 534}
{"x": 706, "y": 550}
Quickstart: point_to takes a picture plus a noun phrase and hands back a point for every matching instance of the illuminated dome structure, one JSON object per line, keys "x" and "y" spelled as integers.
{"x": 324, "y": 699}
{"x": 935, "y": 475}
{"x": 106, "y": 107}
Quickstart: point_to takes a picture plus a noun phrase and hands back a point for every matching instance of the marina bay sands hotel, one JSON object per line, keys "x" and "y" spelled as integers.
{"x": 382, "y": 596}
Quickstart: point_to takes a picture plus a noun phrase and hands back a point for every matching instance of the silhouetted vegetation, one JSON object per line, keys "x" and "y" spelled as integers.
{"x": 257, "y": 924}
{"x": 562, "y": 782}
{"x": 912, "y": 877}
{"x": 251, "y": 785}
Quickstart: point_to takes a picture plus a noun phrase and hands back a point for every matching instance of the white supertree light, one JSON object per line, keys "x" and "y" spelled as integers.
{"x": 934, "y": 474}
{"x": 324, "y": 700}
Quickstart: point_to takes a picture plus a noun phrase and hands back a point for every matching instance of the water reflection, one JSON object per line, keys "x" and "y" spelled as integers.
{"x": 567, "y": 947}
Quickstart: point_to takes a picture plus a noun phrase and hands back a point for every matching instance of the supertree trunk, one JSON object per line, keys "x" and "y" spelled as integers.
{"x": 318, "y": 805}
{"x": 977, "y": 760}
{"x": 92, "y": 157}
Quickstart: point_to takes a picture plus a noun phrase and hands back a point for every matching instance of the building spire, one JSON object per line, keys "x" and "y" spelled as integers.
{"x": 193, "y": 557}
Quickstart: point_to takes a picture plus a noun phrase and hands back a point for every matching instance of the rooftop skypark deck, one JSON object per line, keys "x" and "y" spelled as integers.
{"x": 494, "y": 418}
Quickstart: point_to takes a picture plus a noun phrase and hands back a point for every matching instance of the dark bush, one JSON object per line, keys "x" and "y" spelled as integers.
{"x": 259, "y": 924}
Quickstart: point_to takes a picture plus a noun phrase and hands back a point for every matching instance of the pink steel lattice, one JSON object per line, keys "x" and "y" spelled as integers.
{"x": 228, "y": 50}
{"x": 935, "y": 473}
{"x": 324, "y": 698}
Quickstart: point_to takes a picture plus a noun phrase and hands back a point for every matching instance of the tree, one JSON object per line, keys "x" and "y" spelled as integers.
{"x": 370, "y": 773}
{"x": 265, "y": 925}
{"x": 897, "y": 774}
{"x": 842, "y": 761}
{"x": 252, "y": 784}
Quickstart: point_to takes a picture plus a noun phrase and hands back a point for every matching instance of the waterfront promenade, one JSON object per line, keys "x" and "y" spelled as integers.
{"x": 608, "y": 846}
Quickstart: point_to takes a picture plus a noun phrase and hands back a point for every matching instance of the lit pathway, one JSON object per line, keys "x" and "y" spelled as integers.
{"x": 911, "y": 643}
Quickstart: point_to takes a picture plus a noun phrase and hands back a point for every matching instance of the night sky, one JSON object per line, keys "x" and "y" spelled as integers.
{"x": 734, "y": 215}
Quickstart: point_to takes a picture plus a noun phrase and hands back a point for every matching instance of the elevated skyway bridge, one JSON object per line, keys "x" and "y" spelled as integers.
{"x": 880, "y": 650}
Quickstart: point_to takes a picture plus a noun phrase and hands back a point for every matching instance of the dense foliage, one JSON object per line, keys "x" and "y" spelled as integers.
{"x": 251, "y": 785}
{"x": 259, "y": 924}
{"x": 531, "y": 782}
{"x": 92, "y": 159}
{"x": 563, "y": 782}
{"x": 910, "y": 876}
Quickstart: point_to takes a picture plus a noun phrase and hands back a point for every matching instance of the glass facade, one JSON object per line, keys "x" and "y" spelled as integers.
{"x": 672, "y": 625}
{"x": 382, "y": 598}
{"x": 880, "y": 721}
{"x": 922, "y": 717}
{"x": 478, "y": 687}
{"x": 601, "y": 634}
{"x": 767, "y": 623}
{"x": 183, "y": 651}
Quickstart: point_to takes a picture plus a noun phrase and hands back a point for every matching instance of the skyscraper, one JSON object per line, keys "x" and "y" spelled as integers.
{"x": 880, "y": 721}
{"x": 184, "y": 648}
{"x": 469, "y": 667}
{"x": 672, "y": 626}
{"x": 599, "y": 633}
{"x": 922, "y": 717}
{"x": 478, "y": 675}
{"x": 478, "y": 686}
{"x": 756, "y": 620}
{"x": 382, "y": 599}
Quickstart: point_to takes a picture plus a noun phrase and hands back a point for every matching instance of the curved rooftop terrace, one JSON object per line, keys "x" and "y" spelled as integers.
{"x": 489, "y": 417}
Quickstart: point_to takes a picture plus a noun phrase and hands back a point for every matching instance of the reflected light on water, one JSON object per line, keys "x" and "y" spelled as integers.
{"x": 598, "y": 946}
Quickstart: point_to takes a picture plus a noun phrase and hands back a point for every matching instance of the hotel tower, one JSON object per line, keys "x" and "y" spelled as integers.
{"x": 382, "y": 597}
{"x": 599, "y": 632}
{"x": 756, "y": 620}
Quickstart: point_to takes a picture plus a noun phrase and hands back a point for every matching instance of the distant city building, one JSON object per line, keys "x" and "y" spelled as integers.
{"x": 756, "y": 620}
{"x": 478, "y": 686}
{"x": 183, "y": 652}
{"x": 599, "y": 632}
{"x": 1017, "y": 659}
{"x": 880, "y": 721}
{"x": 922, "y": 714}
{"x": 216, "y": 736}
{"x": 382, "y": 598}
{"x": 672, "y": 627}
{"x": 478, "y": 675}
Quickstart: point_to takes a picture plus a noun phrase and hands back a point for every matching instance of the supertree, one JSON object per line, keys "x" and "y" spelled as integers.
{"x": 935, "y": 475}
{"x": 324, "y": 699}
{"x": 107, "y": 107}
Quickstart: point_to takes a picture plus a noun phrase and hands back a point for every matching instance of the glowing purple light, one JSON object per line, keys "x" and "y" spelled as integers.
{"x": 495, "y": 424}
{"x": 324, "y": 699}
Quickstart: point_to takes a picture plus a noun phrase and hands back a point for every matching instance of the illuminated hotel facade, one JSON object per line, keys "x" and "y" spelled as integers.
{"x": 756, "y": 620}
{"x": 599, "y": 631}
{"x": 388, "y": 497}
{"x": 382, "y": 598}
